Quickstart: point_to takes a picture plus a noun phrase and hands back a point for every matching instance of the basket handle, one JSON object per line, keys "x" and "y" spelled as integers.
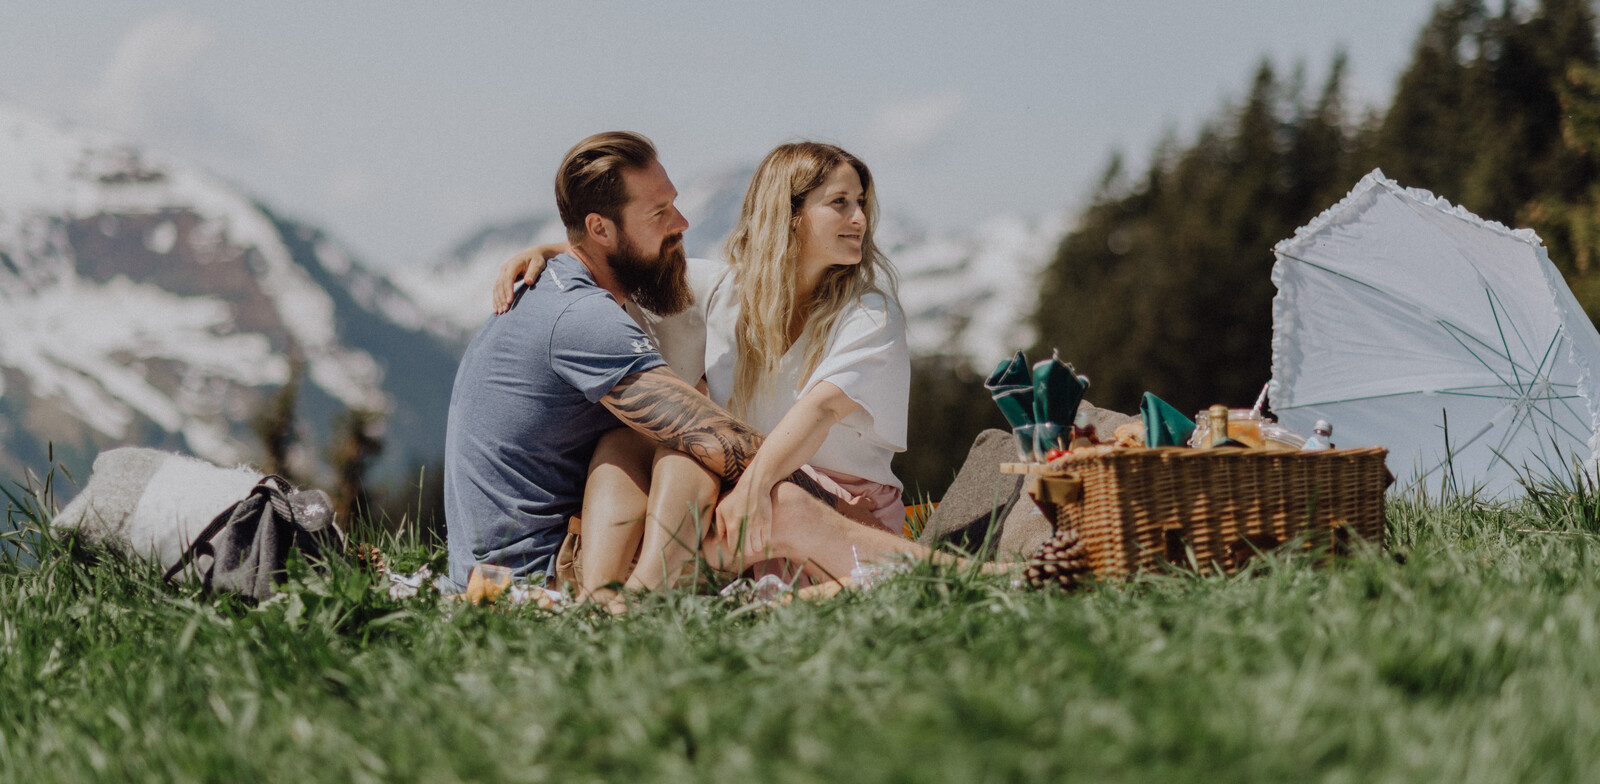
{"x": 1055, "y": 490}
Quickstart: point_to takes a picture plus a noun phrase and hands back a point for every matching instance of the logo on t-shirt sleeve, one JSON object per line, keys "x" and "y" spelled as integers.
{"x": 643, "y": 346}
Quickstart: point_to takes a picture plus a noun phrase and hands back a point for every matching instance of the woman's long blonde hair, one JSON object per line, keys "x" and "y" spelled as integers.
{"x": 764, "y": 251}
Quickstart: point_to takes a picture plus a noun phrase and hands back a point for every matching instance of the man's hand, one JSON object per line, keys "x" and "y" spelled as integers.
{"x": 527, "y": 266}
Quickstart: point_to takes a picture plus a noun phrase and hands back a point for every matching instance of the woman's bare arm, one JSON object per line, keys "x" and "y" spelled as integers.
{"x": 526, "y": 265}
{"x": 792, "y": 443}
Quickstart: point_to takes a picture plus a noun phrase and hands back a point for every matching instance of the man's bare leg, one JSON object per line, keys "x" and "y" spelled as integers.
{"x": 615, "y": 500}
{"x": 682, "y": 493}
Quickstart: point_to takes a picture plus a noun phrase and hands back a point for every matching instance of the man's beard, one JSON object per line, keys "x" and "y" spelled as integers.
{"x": 659, "y": 284}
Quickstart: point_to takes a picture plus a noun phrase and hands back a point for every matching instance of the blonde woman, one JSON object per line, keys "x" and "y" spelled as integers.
{"x": 803, "y": 340}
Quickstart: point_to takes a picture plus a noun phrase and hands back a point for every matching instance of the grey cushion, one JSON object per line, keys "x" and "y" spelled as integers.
{"x": 1023, "y": 531}
{"x": 979, "y": 495}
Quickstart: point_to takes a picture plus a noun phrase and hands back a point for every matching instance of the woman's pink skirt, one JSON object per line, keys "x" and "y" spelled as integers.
{"x": 863, "y": 499}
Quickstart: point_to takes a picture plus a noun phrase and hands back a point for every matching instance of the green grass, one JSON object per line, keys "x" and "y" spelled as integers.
{"x": 1476, "y": 660}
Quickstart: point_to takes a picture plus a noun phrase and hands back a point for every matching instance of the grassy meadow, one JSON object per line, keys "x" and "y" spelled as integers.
{"x": 1467, "y": 653}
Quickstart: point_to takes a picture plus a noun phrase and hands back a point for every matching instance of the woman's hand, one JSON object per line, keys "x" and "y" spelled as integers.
{"x": 527, "y": 266}
{"x": 744, "y": 520}
{"x": 747, "y": 509}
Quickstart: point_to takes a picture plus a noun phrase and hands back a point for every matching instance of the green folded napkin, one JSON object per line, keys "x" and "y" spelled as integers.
{"x": 1163, "y": 424}
{"x": 1012, "y": 389}
{"x": 1057, "y": 391}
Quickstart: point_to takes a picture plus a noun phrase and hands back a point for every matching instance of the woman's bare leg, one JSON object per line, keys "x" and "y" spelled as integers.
{"x": 682, "y": 493}
{"x": 825, "y": 543}
{"x": 615, "y": 500}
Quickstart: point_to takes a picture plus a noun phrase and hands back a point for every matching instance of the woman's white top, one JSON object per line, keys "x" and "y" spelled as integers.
{"x": 681, "y": 337}
{"x": 866, "y": 357}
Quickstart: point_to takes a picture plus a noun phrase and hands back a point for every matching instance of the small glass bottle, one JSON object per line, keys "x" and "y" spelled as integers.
{"x": 1217, "y": 419}
{"x": 1321, "y": 437}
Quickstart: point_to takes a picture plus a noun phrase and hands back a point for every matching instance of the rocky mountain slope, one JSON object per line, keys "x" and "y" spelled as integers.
{"x": 144, "y": 301}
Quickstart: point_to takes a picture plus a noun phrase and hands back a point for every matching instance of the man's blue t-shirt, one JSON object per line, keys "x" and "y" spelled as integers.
{"x": 525, "y": 416}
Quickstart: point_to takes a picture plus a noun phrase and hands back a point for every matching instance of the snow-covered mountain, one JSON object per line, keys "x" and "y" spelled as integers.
{"x": 970, "y": 294}
{"x": 965, "y": 294}
{"x": 144, "y": 301}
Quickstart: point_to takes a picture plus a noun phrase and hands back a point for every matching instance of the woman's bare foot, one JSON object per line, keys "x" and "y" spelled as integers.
{"x": 607, "y": 598}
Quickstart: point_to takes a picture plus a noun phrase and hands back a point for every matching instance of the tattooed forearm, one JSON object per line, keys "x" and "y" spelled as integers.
{"x": 659, "y": 405}
{"x": 677, "y": 415}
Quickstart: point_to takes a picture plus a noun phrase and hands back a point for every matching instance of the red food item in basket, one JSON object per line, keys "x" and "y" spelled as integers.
{"x": 1050, "y": 456}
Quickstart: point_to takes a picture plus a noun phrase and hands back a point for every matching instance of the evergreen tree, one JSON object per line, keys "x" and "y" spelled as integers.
{"x": 1570, "y": 227}
{"x": 1430, "y": 133}
{"x": 356, "y": 442}
{"x": 1166, "y": 287}
{"x": 1319, "y": 164}
{"x": 274, "y": 423}
{"x": 1477, "y": 117}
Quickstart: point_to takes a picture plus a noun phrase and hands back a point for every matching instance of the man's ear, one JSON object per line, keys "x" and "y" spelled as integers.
{"x": 600, "y": 229}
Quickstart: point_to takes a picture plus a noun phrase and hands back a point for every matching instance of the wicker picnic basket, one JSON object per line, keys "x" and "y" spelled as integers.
{"x": 1135, "y": 509}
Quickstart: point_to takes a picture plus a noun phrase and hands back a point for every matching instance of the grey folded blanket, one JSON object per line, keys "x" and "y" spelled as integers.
{"x": 156, "y": 504}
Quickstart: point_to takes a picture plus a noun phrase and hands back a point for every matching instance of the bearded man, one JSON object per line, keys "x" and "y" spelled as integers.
{"x": 526, "y": 409}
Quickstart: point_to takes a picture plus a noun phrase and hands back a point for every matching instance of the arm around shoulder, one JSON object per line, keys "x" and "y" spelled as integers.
{"x": 527, "y": 266}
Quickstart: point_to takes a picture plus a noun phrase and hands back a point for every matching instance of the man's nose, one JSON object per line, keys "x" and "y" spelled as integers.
{"x": 679, "y": 222}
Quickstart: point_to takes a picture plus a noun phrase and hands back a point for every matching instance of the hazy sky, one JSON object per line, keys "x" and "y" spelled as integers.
{"x": 400, "y": 125}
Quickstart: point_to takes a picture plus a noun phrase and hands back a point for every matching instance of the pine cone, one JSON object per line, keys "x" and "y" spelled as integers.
{"x": 1062, "y": 561}
{"x": 369, "y": 556}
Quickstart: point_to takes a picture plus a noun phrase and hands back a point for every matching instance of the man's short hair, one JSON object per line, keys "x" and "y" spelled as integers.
{"x": 590, "y": 177}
